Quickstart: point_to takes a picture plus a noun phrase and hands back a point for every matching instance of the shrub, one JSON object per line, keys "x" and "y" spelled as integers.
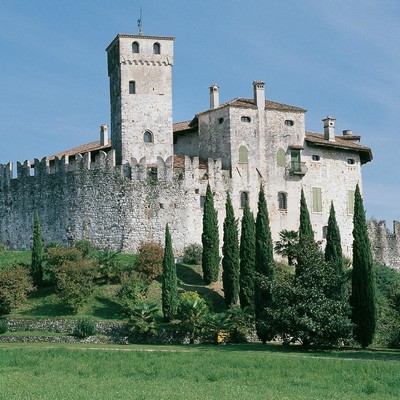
{"x": 84, "y": 327}
{"x": 142, "y": 320}
{"x": 3, "y": 247}
{"x": 108, "y": 267}
{"x": 15, "y": 284}
{"x": 192, "y": 254}
{"x": 3, "y": 326}
{"x": 149, "y": 260}
{"x": 74, "y": 280}
{"x": 133, "y": 290}
{"x": 86, "y": 247}
{"x": 55, "y": 256}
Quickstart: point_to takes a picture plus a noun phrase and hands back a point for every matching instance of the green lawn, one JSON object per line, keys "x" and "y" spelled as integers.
{"x": 10, "y": 257}
{"x": 194, "y": 372}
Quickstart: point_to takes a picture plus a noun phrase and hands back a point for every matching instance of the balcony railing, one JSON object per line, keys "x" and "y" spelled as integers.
{"x": 297, "y": 168}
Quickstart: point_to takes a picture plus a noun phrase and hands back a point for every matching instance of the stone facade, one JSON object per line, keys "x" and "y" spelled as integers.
{"x": 155, "y": 172}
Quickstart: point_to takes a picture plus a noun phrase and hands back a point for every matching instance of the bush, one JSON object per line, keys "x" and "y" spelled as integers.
{"x": 86, "y": 247}
{"x": 74, "y": 280}
{"x": 133, "y": 290}
{"x": 3, "y": 326}
{"x": 84, "y": 327}
{"x": 15, "y": 284}
{"x": 149, "y": 260}
{"x": 192, "y": 253}
{"x": 142, "y": 320}
{"x": 3, "y": 247}
{"x": 108, "y": 267}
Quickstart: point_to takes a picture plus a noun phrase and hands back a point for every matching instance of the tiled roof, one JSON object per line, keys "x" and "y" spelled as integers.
{"x": 250, "y": 103}
{"x": 182, "y": 126}
{"x": 84, "y": 148}
{"x": 344, "y": 143}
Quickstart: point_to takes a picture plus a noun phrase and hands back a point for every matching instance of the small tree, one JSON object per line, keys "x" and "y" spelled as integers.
{"x": 133, "y": 290}
{"x": 210, "y": 240}
{"x": 287, "y": 245}
{"x": 37, "y": 253}
{"x": 264, "y": 267}
{"x": 230, "y": 256}
{"x": 363, "y": 278}
{"x": 149, "y": 260}
{"x": 247, "y": 259}
{"x": 169, "y": 281}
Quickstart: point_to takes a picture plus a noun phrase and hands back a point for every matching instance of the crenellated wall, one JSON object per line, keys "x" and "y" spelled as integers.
{"x": 385, "y": 244}
{"x": 114, "y": 206}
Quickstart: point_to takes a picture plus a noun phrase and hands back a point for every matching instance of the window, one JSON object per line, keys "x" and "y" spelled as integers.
{"x": 281, "y": 158}
{"x": 202, "y": 201}
{"x": 156, "y": 48}
{"x": 244, "y": 199}
{"x": 282, "y": 201}
{"x": 132, "y": 87}
{"x": 152, "y": 173}
{"x": 243, "y": 155}
{"x": 316, "y": 200}
{"x": 315, "y": 157}
{"x": 220, "y": 120}
{"x": 295, "y": 160}
{"x": 245, "y": 119}
{"x": 148, "y": 137}
{"x": 351, "y": 161}
{"x": 350, "y": 202}
{"x": 324, "y": 232}
{"x": 289, "y": 122}
{"x": 135, "y": 47}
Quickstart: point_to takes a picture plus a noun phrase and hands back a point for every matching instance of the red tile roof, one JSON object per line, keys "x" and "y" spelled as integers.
{"x": 84, "y": 148}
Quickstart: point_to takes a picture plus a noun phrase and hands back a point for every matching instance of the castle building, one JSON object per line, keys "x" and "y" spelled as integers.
{"x": 120, "y": 192}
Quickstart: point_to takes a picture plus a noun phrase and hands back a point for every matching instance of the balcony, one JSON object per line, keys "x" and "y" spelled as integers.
{"x": 297, "y": 168}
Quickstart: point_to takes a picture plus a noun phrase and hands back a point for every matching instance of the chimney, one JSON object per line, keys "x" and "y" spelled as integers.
{"x": 347, "y": 132}
{"x": 214, "y": 96}
{"x": 329, "y": 128}
{"x": 259, "y": 94}
{"x": 103, "y": 135}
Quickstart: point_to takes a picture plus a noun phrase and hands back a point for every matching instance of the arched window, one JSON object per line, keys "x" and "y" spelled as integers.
{"x": 148, "y": 137}
{"x": 132, "y": 87}
{"x": 243, "y": 155}
{"x": 135, "y": 47}
{"x": 282, "y": 201}
{"x": 245, "y": 118}
{"x": 244, "y": 199}
{"x": 156, "y": 48}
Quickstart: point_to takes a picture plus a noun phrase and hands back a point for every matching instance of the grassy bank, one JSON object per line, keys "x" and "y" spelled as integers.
{"x": 241, "y": 372}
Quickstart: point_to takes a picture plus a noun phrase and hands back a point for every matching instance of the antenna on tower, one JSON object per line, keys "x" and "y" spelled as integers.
{"x": 139, "y": 22}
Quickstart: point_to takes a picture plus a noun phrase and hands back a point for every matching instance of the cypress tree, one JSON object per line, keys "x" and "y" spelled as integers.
{"x": 169, "y": 281}
{"x": 363, "y": 277}
{"x": 247, "y": 259}
{"x": 210, "y": 240}
{"x": 264, "y": 269}
{"x": 305, "y": 229}
{"x": 37, "y": 253}
{"x": 230, "y": 256}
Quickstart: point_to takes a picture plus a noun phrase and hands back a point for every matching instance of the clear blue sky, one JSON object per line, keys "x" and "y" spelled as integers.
{"x": 336, "y": 57}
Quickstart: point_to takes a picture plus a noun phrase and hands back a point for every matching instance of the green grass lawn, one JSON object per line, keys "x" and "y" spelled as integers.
{"x": 194, "y": 372}
{"x": 11, "y": 257}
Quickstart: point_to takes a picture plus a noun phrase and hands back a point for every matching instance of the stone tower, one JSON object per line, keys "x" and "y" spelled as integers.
{"x": 140, "y": 71}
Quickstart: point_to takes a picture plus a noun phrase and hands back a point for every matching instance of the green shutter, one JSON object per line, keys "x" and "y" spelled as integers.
{"x": 317, "y": 200}
{"x": 350, "y": 202}
{"x": 281, "y": 158}
{"x": 243, "y": 155}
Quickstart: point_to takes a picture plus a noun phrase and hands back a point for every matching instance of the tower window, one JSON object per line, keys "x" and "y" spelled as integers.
{"x": 245, "y": 118}
{"x": 282, "y": 201}
{"x": 148, "y": 137}
{"x": 315, "y": 157}
{"x": 351, "y": 161}
{"x": 324, "y": 232}
{"x": 156, "y": 48}
{"x": 220, "y": 120}
{"x": 135, "y": 47}
{"x": 132, "y": 87}
{"x": 289, "y": 122}
{"x": 243, "y": 155}
{"x": 317, "y": 200}
{"x": 244, "y": 199}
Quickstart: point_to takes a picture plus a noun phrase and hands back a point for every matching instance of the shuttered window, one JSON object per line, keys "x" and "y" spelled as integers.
{"x": 317, "y": 200}
{"x": 243, "y": 155}
{"x": 350, "y": 202}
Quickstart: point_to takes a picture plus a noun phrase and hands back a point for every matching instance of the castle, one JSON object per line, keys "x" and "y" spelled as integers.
{"x": 120, "y": 191}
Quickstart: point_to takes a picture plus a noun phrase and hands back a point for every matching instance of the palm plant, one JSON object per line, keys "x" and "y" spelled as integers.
{"x": 287, "y": 246}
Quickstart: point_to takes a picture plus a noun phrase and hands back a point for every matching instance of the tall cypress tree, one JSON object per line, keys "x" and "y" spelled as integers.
{"x": 230, "y": 256}
{"x": 37, "y": 253}
{"x": 247, "y": 259}
{"x": 264, "y": 269}
{"x": 334, "y": 255}
{"x": 210, "y": 240}
{"x": 363, "y": 277}
{"x": 305, "y": 229}
{"x": 169, "y": 281}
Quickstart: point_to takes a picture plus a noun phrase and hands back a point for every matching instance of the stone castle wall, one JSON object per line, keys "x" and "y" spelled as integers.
{"x": 113, "y": 206}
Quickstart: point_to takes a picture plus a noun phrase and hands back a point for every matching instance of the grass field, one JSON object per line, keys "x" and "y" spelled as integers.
{"x": 194, "y": 372}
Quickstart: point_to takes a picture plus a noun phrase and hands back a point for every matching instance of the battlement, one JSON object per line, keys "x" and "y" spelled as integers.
{"x": 181, "y": 168}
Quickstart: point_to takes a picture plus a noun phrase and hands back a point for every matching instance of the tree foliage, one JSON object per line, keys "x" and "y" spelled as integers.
{"x": 169, "y": 280}
{"x": 149, "y": 260}
{"x": 287, "y": 245}
{"x": 247, "y": 259}
{"x": 363, "y": 277}
{"x": 210, "y": 240}
{"x": 230, "y": 256}
{"x": 305, "y": 229}
{"x": 37, "y": 253}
